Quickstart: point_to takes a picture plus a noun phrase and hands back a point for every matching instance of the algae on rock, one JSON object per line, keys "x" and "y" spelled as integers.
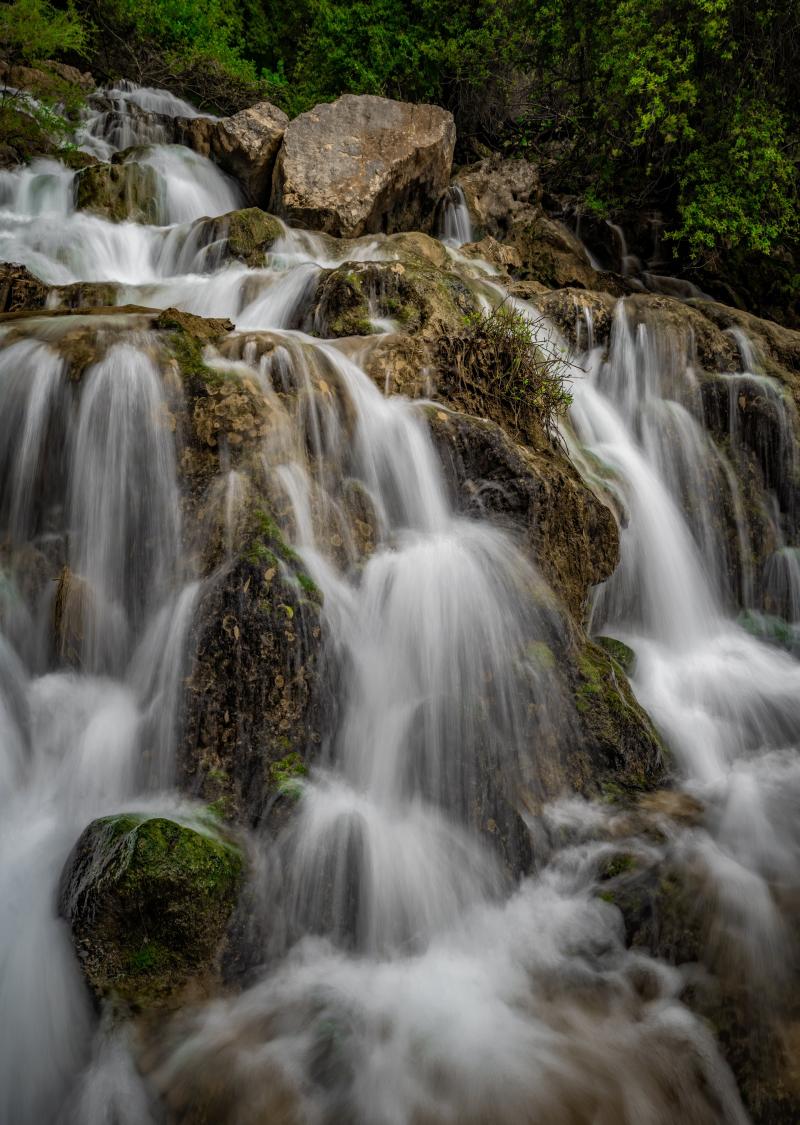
{"x": 149, "y": 900}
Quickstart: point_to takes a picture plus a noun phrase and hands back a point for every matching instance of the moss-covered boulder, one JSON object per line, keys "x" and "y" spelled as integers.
{"x": 149, "y": 900}
{"x": 416, "y": 296}
{"x": 248, "y": 234}
{"x": 119, "y": 192}
{"x": 622, "y": 746}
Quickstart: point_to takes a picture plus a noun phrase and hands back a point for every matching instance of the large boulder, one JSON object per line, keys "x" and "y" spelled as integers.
{"x": 245, "y": 145}
{"x": 149, "y": 901}
{"x": 364, "y": 164}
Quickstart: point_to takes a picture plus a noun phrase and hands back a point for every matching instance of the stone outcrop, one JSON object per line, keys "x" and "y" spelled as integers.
{"x": 149, "y": 900}
{"x": 570, "y": 534}
{"x": 497, "y": 193}
{"x": 364, "y": 164}
{"x": 119, "y": 192}
{"x": 245, "y": 145}
{"x": 253, "y": 695}
{"x": 418, "y": 298}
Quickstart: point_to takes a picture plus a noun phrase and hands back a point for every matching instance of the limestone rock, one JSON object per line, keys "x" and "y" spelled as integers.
{"x": 364, "y": 164}
{"x": 253, "y": 697}
{"x": 245, "y": 144}
{"x": 19, "y": 289}
{"x": 119, "y": 192}
{"x": 415, "y": 295}
{"x": 497, "y": 192}
{"x": 148, "y": 900}
{"x": 570, "y": 534}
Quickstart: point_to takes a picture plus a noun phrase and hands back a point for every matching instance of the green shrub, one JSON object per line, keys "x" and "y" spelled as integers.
{"x": 505, "y": 356}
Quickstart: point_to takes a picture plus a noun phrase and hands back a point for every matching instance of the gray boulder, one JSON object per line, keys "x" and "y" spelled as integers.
{"x": 364, "y": 164}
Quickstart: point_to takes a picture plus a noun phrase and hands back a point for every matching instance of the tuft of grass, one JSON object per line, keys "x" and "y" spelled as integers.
{"x": 501, "y": 354}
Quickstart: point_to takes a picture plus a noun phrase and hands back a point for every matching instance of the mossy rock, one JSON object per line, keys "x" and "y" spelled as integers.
{"x": 251, "y": 234}
{"x": 257, "y": 693}
{"x": 119, "y": 192}
{"x": 149, "y": 900}
{"x": 422, "y": 299}
{"x": 619, "y": 735}
{"x": 619, "y": 652}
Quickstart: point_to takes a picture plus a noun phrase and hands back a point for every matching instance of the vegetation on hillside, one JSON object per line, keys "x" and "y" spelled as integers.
{"x": 686, "y": 106}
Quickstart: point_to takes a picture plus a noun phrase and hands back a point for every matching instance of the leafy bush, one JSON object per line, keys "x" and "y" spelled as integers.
{"x": 506, "y": 357}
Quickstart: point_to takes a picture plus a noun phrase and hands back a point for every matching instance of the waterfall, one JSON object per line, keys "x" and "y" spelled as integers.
{"x": 435, "y": 948}
{"x": 456, "y": 223}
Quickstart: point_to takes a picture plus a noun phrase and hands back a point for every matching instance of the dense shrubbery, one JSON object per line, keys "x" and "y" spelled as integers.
{"x": 690, "y": 106}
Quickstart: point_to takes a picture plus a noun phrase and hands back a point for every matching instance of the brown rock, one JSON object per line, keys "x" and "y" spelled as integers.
{"x": 245, "y": 145}
{"x": 19, "y": 289}
{"x": 498, "y": 192}
{"x": 364, "y": 164}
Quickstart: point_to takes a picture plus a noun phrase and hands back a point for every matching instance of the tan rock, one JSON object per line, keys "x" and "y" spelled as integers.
{"x": 364, "y": 164}
{"x": 244, "y": 145}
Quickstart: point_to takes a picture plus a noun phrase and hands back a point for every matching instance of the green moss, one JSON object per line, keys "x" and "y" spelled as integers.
{"x": 617, "y": 728}
{"x": 267, "y": 547}
{"x": 541, "y": 656}
{"x": 286, "y": 775}
{"x": 618, "y": 651}
{"x": 149, "y": 899}
{"x": 618, "y": 865}
{"x": 251, "y": 234}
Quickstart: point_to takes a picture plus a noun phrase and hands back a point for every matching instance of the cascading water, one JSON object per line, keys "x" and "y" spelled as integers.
{"x": 406, "y": 976}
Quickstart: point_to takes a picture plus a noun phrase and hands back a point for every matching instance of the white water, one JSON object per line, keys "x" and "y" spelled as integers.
{"x": 407, "y": 978}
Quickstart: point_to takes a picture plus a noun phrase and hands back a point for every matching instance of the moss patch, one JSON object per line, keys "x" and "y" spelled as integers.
{"x": 149, "y": 900}
{"x": 251, "y": 234}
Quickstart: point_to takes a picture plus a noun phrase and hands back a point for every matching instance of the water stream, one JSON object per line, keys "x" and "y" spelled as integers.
{"x": 409, "y": 977}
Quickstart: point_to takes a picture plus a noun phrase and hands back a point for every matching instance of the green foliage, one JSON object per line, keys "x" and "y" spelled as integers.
{"x": 34, "y": 30}
{"x": 502, "y": 352}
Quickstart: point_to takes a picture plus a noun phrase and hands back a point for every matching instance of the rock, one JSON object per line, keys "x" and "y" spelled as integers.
{"x": 619, "y": 652}
{"x": 498, "y": 192}
{"x": 73, "y": 606}
{"x": 568, "y": 308}
{"x": 670, "y": 911}
{"x": 417, "y": 297}
{"x": 71, "y": 74}
{"x": 570, "y": 534}
{"x": 504, "y": 258}
{"x": 148, "y": 900}
{"x": 254, "y": 694}
{"x": 119, "y": 192}
{"x": 19, "y": 289}
{"x": 622, "y": 745}
{"x": 400, "y": 365}
{"x": 245, "y": 145}
{"x": 249, "y": 234}
{"x": 550, "y": 253}
{"x": 364, "y": 164}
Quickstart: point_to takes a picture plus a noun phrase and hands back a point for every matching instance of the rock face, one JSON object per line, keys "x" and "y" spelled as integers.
{"x": 245, "y": 145}
{"x": 148, "y": 901}
{"x": 253, "y": 695}
{"x": 497, "y": 192}
{"x": 364, "y": 164}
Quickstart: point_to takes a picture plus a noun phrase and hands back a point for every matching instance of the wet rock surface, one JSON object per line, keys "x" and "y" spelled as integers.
{"x": 148, "y": 901}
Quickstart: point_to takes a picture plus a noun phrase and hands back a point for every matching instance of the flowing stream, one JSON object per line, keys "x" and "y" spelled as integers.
{"x": 406, "y": 977}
